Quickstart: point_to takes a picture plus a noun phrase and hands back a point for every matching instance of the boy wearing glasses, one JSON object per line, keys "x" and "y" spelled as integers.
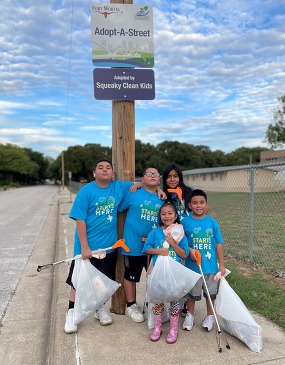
{"x": 142, "y": 210}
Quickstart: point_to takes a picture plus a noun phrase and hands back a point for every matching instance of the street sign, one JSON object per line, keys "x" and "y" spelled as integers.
{"x": 123, "y": 84}
{"x": 122, "y": 35}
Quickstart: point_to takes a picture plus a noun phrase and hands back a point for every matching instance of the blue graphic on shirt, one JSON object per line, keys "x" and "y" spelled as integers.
{"x": 142, "y": 210}
{"x": 203, "y": 235}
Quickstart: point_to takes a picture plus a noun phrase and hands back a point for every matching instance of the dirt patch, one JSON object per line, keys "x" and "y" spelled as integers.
{"x": 247, "y": 269}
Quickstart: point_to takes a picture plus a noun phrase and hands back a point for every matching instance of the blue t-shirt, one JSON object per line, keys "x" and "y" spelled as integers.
{"x": 142, "y": 210}
{"x": 156, "y": 238}
{"x": 203, "y": 235}
{"x": 98, "y": 207}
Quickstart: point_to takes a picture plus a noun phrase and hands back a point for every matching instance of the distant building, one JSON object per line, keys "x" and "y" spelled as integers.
{"x": 261, "y": 178}
{"x": 272, "y": 156}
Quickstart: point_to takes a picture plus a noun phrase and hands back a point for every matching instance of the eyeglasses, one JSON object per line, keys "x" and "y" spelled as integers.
{"x": 150, "y": 174}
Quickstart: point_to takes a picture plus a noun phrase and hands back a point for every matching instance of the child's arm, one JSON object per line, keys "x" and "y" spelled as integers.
{"x": 192, "y": 254}
{"x": 220, "y": 254}
{"x": 180, "y": 251}
{"x": 157, "y": 251}
{"x": 161, "y": 194}
{"x": 135, "y": 186}
{"x": 81, "y": 230}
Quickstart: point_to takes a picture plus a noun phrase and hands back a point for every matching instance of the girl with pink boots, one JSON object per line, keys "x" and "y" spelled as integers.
{"x": 161, "y": 241}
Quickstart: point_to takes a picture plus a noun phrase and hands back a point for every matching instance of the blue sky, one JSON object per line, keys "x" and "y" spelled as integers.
{"x": 219, "y": 69}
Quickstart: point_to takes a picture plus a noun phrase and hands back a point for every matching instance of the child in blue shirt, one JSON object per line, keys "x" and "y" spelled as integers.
{"x": 95, "y": 213}
{"x": 161, "y": 242}
{"x": 203, "y": 234}
{"x": 142, "y": 212}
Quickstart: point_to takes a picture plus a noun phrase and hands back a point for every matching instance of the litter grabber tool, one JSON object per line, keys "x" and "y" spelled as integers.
{"x": 178, "y": 191}
{"x": 95, "y": 253}
{"x": 219, "y": 332}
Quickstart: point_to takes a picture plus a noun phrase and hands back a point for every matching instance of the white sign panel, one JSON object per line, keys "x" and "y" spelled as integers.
{"x": 122, "y": 35}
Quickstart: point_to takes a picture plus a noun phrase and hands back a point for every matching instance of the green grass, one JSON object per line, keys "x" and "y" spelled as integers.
{"x": 263, "y": 242}
{"x": 254, "y": 254}
{"x": 260, "y": 292}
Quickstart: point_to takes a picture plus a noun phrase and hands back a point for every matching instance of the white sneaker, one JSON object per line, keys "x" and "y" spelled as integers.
{"x": 70, "y": 326}
{"x": 134, "y": 313}
{"x": 103, "y": 316}
{"x": 208, "y": 322}
{"x": 188, "y": 322}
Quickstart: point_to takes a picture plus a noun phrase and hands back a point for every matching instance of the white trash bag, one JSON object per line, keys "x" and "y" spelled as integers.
{"x": 169, "y": 281}
{"x": 93, "y": 289}
{"x": 235, "y": 317}
{"x": 176, "y": 230}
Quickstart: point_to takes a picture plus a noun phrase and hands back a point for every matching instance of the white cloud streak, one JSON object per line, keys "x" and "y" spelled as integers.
{"x": 219, "y": 69}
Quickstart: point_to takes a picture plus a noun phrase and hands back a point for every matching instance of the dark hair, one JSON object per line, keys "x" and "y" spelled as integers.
{"x": 102, "y": 160}
{"x": 198, "y": 192}
{"x": 149, "y": 167}
{"x": 186, "y": 190}
{"x": 169, "y": 204}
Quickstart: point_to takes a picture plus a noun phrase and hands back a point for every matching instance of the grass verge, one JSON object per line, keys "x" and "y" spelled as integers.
{"x": 261, "y": 292}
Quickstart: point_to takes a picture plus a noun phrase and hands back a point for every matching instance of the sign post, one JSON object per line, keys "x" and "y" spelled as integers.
{"x": 123, "y": 158}
{"x": 122, "y": 37}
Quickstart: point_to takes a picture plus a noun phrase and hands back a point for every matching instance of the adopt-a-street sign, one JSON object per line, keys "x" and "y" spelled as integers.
{"x": 123, "y": 84}
{"x": 122, "y": 35}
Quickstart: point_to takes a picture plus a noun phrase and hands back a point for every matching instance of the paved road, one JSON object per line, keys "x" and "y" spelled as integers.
{"x": 22, "y": 215}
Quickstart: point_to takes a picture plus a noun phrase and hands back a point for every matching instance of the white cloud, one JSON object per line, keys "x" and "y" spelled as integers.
{"x": 219, "y": 69}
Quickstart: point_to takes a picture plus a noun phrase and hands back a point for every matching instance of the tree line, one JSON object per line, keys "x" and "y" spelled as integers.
{"x": 25, "y": 166}
{"x": 80, "y": 159}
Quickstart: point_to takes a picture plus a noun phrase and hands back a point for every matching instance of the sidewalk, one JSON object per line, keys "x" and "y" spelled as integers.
{"x": 32, "y": 328}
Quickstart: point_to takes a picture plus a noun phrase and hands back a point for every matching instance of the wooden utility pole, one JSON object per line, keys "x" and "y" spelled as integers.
{"x": 62, "y": 171}
{"x": 123, "y": 159}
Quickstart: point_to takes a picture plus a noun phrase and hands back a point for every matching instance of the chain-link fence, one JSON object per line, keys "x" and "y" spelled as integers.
{"x": 249, "y": 204}
{"x": 76, "y": 185}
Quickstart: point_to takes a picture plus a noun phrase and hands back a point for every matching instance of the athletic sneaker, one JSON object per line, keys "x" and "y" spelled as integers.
{"x": 103, "y": 316}
{"x": 134, "y": 313}
{"x": 208, "y": 322}
{"x": 70, "y": 326}
{"x": 188, "y": 322}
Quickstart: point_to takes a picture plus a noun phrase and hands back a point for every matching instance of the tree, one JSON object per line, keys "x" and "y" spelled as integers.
{"x": 241, "y": 156}
{"x": 143, "y": 156}
{"x": 80, "y": 161}
{"x": 43, "y": 163}
{"x": 275, "y": 134}
{"x": 187, "y": 156}
{"x": 15, "y": 164}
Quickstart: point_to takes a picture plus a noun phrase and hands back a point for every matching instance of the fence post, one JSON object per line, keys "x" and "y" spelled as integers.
{"x": 251, "y": 209}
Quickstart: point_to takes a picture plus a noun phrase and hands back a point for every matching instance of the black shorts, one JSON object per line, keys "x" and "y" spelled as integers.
{"x": 107, "y": 266}
{"x": 134, "y": 266}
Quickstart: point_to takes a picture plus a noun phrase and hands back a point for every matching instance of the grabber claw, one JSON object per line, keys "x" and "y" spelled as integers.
{"x": 219, "y": 332}
{"x": 121, "y": 243}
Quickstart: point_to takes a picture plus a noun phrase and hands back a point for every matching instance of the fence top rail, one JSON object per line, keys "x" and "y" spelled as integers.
{"x": 273, "y": 165}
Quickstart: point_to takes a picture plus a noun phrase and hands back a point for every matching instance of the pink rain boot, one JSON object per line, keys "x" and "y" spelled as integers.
{"x": 173, "y": 333}
{"x": 155, "y": 336}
